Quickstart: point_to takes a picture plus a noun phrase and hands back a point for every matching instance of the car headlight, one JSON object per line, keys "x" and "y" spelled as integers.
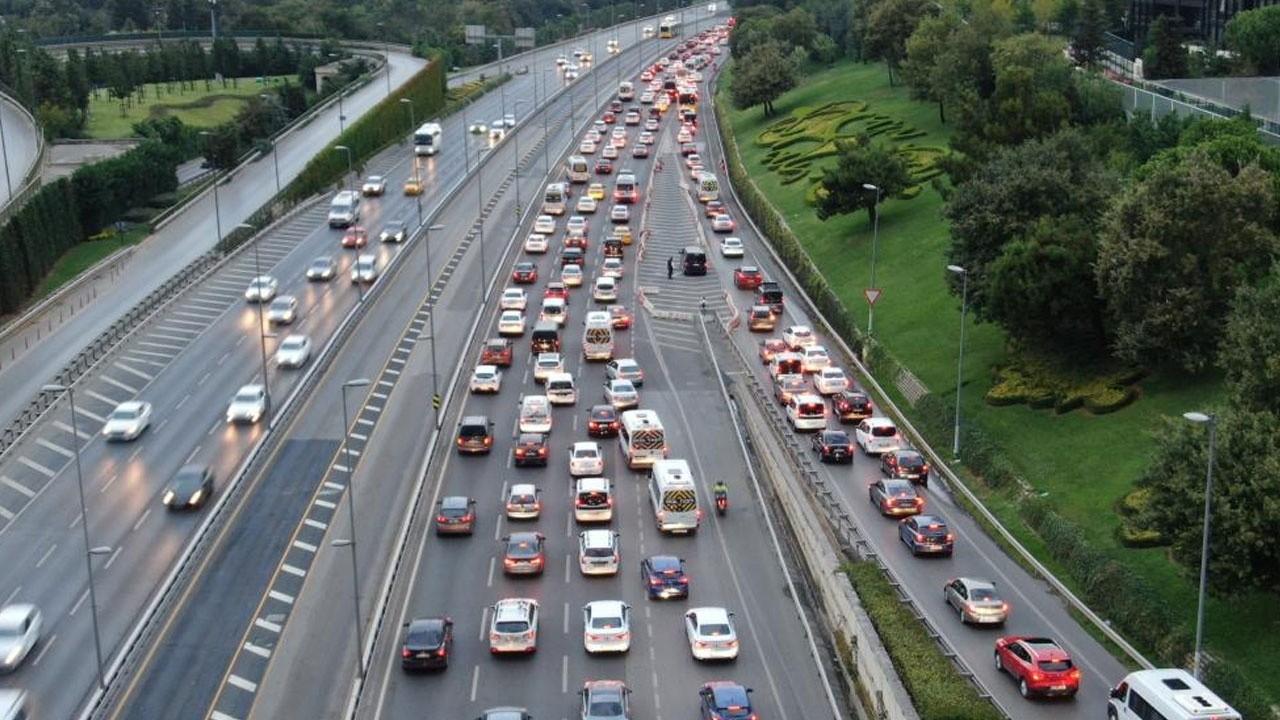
{"x": 195, "y": 497}
{"x": 12, "y": 657}
{"x": 168, "y": 497}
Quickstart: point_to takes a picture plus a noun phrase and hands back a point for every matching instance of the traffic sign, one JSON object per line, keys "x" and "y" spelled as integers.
{"x": 435, "y": 401}
{"x": 872, "y": 294}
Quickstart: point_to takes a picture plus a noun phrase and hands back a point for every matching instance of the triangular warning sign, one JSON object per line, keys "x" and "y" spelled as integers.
{"x": 872, "y": 294}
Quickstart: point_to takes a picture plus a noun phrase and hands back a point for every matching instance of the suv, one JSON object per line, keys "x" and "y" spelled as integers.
{"x": 770, "y": 293}
{"x": 496, "y": 351}
{"x": 475, "y": 435}
{"x": 514, "y": 627}
{"x": 593, "y": 500}
{"x": 693, "y": 261}
{"x": 598, "y": 552}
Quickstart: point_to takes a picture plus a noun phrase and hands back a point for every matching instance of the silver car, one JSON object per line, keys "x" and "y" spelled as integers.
{"x": 248, "y": 405}
{"x": 625, "y": 369}
{"x": 294, "y": 351}
{"x": 976, "y": 601}
{"x": 19, "y": 632}
{"x": 261, "y": 289}
{"x": 621, "y": 394}
{"x": 127, "y": 421}
{"x": 283, "y": 310}
{"x": 322, "y": 268}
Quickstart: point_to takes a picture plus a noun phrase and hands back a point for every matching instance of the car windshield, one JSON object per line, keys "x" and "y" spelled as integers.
{"x": 983, "y": 594}
{"x": 394, "y": 224}
{"x": 910, "y": 461}
{"x": 293, "y": 344}
{"x": 609, "y": 706}
{"x": 125, "y": 414}
{"x": 247, "y": 396}
{"x": 280, "y": 304}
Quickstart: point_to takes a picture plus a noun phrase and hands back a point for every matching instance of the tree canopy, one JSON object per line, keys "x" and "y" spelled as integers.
{"x": 1255, "y": 35}
{"x": 762, "y": 76}
{"x": 860, "y": 164}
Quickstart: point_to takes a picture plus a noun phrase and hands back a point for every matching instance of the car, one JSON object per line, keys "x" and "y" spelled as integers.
{"x": 684, "y": 135}
{"x": 586, "y": 205}
{"x": 514, "y": 626}
{"x": 650, "y": 126}
{"x": 577, "y": 226}
{"x": 524, "y": 273}
{"x": 713, "y": 207}
{"x": 20, "y": 625}
{"x": 731, "y": 247}
{"x": 545, "y": 225}
{"x": 248, "y": 405}
{"x": 664, "y": 577}
{"x": 190, "y": 488}
{"x": 497, "y": 351}
{"x": 514, "y": 299}
{"x": 605, "y": 290}
{"x": 571, "y": 73}
{"x": 787, "y": 385}
{"x": 413, "y": 186}
{"x": 321, "y": 268}
{"x": 829, "y": 380}
{"x": 770, "y": 348}
{"x": 261, "y": 289}
{"x": 605, "y": 700}
{"x": 556, "y": 289}
{"x": 571, "y": 274}
{"x": 695, "y": 171}
{"x": 799, "y": 336}
{"x": 587, "y": 147}
{"x": 524, "y": 554}
{"x": 621, "y": 394}
{"x": 606, "y": 626}
{"x": 833, "y": 446}
{"x": 573, "y": 256}
{"x": 535, "y": 243}
{"x": 877, "y": 435}
{"x": 613, "y": 248}
{"x": 598, "y": 552}
{"x": 976, "y": 600}
{"x": 852, "y": 406}
{"x": 612, "y": 267}
{"x": 603, "y": 421}
{"x": 746, "y": 277}
{"x": 620, "y": 317}
{"x": 393, "y": 231}
{"x": 762, "y": 319}
{"x": 547, "y": 364}
{"x": 530, "y": 449}
{"x": 725, "y": 700}
{"x": 639, "y": 150}
{"x": 509, "y": 120}
{"x": 475, "y": 435}
{"x": 623, "y": 234}
{"x": 576, "y": 240}
{"x": 610, "y": 151}
{"x": 497, "y": 132}
{"x": 128, "y": 421}
{"x": 283, "y": 310}
{"x": 604, "y": 166}
{"x": 511, "y": 322}
{"x": 374, "y": 185}
{"x": 770, "y": 293}
{"x": 427, "y": 644}
{"x": 1040, "y": 666}
{"x": 585, "y": 459}
{"x": 620, "y": 213}
{"x": 355, "y": 237}
{"x": 815, "y": 358}
{"x": 895, "y": 498}
{"x": 926, "y": 535}
{"x": 506, "y": 712}
{"x": 486, "y": 379}
{"x": 711, "y": 633}
{"x": 609, "y": 118}
{"x": 596, "y": 191}
{"x": 456, "y": 516}
{"x": 905, "y": 465}
{"x": 294, "y": 351}
{"x": 477, "y": 128}
{"x": 625, "y": 369}
{"x": 365, "y": 268}
{"x": 593, "y": 500}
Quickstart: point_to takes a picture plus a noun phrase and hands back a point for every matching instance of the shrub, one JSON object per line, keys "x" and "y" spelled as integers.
{"x": 1110, "y": 400}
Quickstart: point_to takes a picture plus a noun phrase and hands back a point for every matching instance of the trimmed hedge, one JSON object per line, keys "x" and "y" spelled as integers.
{"x": 936, "y": 689}
{"x": 1040, "y": 385}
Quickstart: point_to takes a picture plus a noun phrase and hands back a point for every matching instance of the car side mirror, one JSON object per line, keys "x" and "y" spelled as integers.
{"x": 1116, "y": 693}
{"x": 506, "y": 538}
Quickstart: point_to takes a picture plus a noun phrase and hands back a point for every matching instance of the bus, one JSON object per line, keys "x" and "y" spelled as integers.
{"x": 426, "y": 139}
{"x": 708, "y": 187}
{"x": 555, "y": 200}
{"x": 642, "y": 438}
{"x": 674, "y": 497}
{"x": 577, "y": 169}
{"x": 668, "y": 28}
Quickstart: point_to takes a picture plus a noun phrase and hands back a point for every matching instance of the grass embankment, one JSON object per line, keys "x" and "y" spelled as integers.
{"x": 80, "y": 258}
{"x": 1084, "y": 463}
{"x": 196, "y": 107}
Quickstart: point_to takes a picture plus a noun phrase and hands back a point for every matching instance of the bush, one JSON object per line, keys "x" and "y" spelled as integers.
{"x": 1132, "y": 537}
{"x": 1110, "y": 400}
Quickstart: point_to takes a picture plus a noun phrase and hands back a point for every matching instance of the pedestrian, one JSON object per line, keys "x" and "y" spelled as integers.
{"x": 671, "y": 267}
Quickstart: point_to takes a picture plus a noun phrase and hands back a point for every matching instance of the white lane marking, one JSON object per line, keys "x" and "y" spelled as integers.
{"x": 15, "y": 485}
{"x": 362, "y": 421}
{"x": 316, "y": 524}
{"x": 564, "y": 674}
{"x": 566, "y": 618}
{"x": 6, "y": 513}
{"x": 216, "y": 715}
{"x": 484, "y": 623}
{"x": 142, "y": 519}
{"x": 68, "y": 429}
{"x": 34, "y": 466}
{"x": 342, "y": 468}
{"x": 114, "y": 554}
{"x": 182, "y": 402}
{"x": 492, "y": 562}
{"x": 112, "y": 381}
{"x": 334, "y": 486}
{"x": 282, "y": 597}
{"x": 240, "y": 341}
{"x": 325, "y": 504}
{"x": 267, "y": 625}
{"x": 100, "y": 397}
{"x": 166, "y": 346}
{"x": 258, "y": 650}
{"x": 55, "y": 447}
{"x": 202, "y": 379}
{"x": 12, "y": 595}
{"x": 134, "y": 371}
{"x": 304, "y": 546}
{"x": 74, "y": 608}
{"x": 358, "y": 436}
{"x": 46, "y": 555}
{"x": 193, "y": 454}
{"x": 567, "y": 561}
{"x": 108, "y": 483}
{"x": 89, "y": 414}
{"x": 475, "y": 681}
{"x": 243, "y": 684}
{"x": 296, "y": 571}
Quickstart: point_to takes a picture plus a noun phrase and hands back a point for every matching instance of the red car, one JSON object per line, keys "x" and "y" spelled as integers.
{"x": 496, "y": 351}
{"x": 525, "y": 273}
{"x": 713, "y": 208}
{"x": 609, "y": 118}
{"x": 1039, "y": 665}
{"x": 621, "y": 317}
{"x": 604, "y": 167}
{"x": 771, "y": 347}
{"x": 355, "y": 237}
{"x": 688, "y": 148}
{"x": 556, "y": 290}
{"x": 576, "y": 241}
{"x": 747, "y": 277}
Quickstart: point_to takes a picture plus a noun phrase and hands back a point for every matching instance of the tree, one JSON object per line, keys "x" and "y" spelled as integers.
{"x": 889, "y": 25}
{"x": 795, "y": 28}
{"x": 762, "y": 76}
{"x": 927, "y": 49}
{"x": 1250, "y": 354}
{"x": 1246, "y": 498}
{"x": 1088, "y": 42}
{"x": 1173, "y": 249}
{"x": 1255, "y": 34}
{"x": 844, "y": 187}
{"x": 1165, "y": 57}
{"x": 1034, "y": 92}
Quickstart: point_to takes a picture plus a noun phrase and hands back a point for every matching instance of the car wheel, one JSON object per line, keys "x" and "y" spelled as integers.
{"x": 1023, "y": 689}
{"x": 963, "y": 619}
{"x": 999, "y": 665}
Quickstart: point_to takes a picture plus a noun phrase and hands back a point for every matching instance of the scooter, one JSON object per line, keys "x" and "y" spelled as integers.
{"x": 722, "y": 503}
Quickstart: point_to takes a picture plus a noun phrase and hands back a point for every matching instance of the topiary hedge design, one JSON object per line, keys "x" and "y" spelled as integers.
{"x": 1037, "y": 384}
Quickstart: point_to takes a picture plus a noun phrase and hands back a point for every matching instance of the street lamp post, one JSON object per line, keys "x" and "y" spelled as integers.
{"x": 466, "y": 139}
{"x": 217, "y": 208}
{"x": 350, "y": 166}
{"x": 964, "y": 306}
{"x": 262, "y": 328}
{"x": 875, "y": 236}
{"x": 1212, "y": 422}
{"x": 213, "y": 19}
{"x": 351, "y": 514}
{"x": 515, "y": 138}
{"x": 480, "y": 234}
{"x": 546, "y": 141}
{"x": 84, "y": 527}
{"x": 431, "y": 321}
{"x": 413, "y": 121}
{"x": 275, "y": 158}
{"x": 4, "y": 147}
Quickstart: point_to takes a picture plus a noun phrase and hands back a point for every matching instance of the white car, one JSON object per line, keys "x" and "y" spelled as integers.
{"x": 524, "y": 502}
{"x": 587, "y": 147}
{"x": 514, "y": 299}
{"x": 248, "y": 405}
{"x": 561, "y": 61}
{"x": 586, "y": 205}
{"x": 625, "y": 369}
{"x": 571, "y": 73}
{"x": 294, "y": 351}
{"x": 477, "y": 128}
{"x": 621, "y": 394}
{"x": 619, "y": 137}
{"x": 586, "y": 459}
{"x": 815, "y": 359}
{"x": 639, "y": 151}
{"x": 731, "y": 247}
{"x": 598, "y": 552}
{"x": 486, "y": 379}
{"x": 509, "y": 120}
{"x": 606, "y": 626}
{"x": 497, "y": 131}
{"x": 612, "y": 268}
{"x": 261, "y": 289}
{"x": 877, "y": 435}
{"x": 364, "y": 269}
{"x": 830, "y": 380}
{"x": 374, "y": 185}
{"x": 605, "y": 290}
{"x": 19, "y": 632}
{"x": 684, "y": 136}
{"x": 620, "y": 213}
{"x": 646, "y": 97}
{"x": 711, "y": 634}
{"x": 547, "y": 363}
{"x": 610, "y": 151}
{"x": 692, "y": 159}
{"x": 571, "y": 275}
{"x": 576, "y": 226}
{"x": 799, "y": 336}
{"x": 511, "y": 322}
{"x": 283, "y": 310}
{"x": 514, "y": 627}
{"x": 544, "y": 225}
{"x": 127, "y": 421}
{"x": 535, "y": 243}
{"x": 322, "y": 268}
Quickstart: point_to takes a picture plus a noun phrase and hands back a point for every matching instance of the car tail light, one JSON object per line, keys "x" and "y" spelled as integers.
{"x": 684, "y": 581}
{"x": 509, "y": 562}
{"x": 919, "y": 502}
{"x": 406, "y": 652}
{"x": 1037, "y": 676}
{"x": 462, "y": 441}
{"x": 654, "y": 582}
{"x": 542, "y": 452}
{"x": 488, "y": 441}
{"x": 536, "y": 560}
{"x": 949, "y": 538}
{"x": 1074, "y": 674}
{"x": 441, "y": 652}
{"x": 442, "y": 519}
{"x": 924, "y": 469}
{"x": 919, "y": 538}
{"x": 519, "y": 452}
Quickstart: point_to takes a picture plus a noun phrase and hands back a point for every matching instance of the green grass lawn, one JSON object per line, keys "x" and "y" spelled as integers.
{"x": 1085, "y": 463}
{"x": 82, "y": 257}
{"x": 198, "y": 107}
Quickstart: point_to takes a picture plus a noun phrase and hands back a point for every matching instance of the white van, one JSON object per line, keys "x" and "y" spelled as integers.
{"x": 674, "y": 497}
{"x": 1171, "y": 694}
{"x": 344, "y": 209}
{"x": 807, "y": 411}
{"x": 597, "y": 336}
{"x": 561, "y": 390}
{"x": 535, "y": 414}
{"x": 364, "y": 269}
{"x": 554, "y": 310}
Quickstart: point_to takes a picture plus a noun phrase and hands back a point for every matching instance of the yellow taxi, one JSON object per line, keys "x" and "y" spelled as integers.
{"x": 413, "y": 186}
{"x": 623, "y": 233}
{"x": 596, "y": 190}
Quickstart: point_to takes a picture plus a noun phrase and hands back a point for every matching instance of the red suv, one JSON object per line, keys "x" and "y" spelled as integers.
{"x": 1039, "y": 665}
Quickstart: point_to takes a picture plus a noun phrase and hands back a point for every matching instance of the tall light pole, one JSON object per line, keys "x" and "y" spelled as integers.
{"x": 480, "y": 237}
{"x": 431, "y": 321}
{"x": 262, "y": 328}
{"x": 466, "y": 139}
{"x": 275, "y": 158}
{"x": 964, "y": 306}
{"x": 350, "y": 167}
{"x": 217, "y": 208}
{"x": 1212, "y": 421}
{"x": 351, "y": 515}
{"x": 546, "y": 141}
{"x": 386, "y": 57}
{"x": 515, "y": 139}
{"x": 413, "y": 121}
{"x": 84, "y": 526}
{"x": 213, "y": 19}
{"x": 875, "y": 236}
{"x": 4, "y": 147}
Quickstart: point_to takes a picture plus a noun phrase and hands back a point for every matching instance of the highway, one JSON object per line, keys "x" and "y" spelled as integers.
{"x": 20, "y": 146}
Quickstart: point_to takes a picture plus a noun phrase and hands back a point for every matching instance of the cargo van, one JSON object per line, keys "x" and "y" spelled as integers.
{"x": 597, "y": 337}
{"x": 1171, "y": 694}
{"x": 344, "y": 209}
{"x": 546, "y": 337}
{"x": 535, "y": 414}
{"x": 561, "y": 389}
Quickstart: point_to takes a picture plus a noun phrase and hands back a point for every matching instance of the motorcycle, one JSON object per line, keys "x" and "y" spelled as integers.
{"x": 722, "y": 503}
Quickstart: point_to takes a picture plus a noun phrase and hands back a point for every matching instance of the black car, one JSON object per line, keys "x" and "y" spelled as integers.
{"x": 926, "y": 534}
{"x": 530, "y": 449}
{"x": 573, "y": 256}
{"x": 770, "y": 293}
{"x": 852, "y": 406}
{"x": 905, "y": 465}
{"x": 603, "y": 421}
{"x": 833, "y": 446}
{"x": 190, "y": 488}
{"x": 427, "y": 644}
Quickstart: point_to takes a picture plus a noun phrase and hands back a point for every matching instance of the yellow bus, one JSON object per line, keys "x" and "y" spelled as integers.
{"x": 669, "y": 27}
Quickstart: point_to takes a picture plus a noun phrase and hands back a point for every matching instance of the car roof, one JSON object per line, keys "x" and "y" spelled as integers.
{"x": 514, "y": 606}
{"x": 727, "y": 692}
{"x": 927, "y": 520}
{"x": 12, "y": 615}
{"x": 607, "y": 607}
{"x": 599, "y": 537}
{"x": 586, "y": 445}
{"x": 897, "y": 485}
{"x": 486, "y": 369}
{"x": 882, "y": 421}
{"x": 664, "y": 561}
{"x": 454, "y": 502}
{"x": 977, "y": 583}
{"x": 130, "y": 406}
{"x": 250, "y": 389}
{"x": 710, "y": 614}
{"x": 1043, "y": 648}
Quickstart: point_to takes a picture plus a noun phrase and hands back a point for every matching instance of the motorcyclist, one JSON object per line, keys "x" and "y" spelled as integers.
{"x": 720, "y": 490}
